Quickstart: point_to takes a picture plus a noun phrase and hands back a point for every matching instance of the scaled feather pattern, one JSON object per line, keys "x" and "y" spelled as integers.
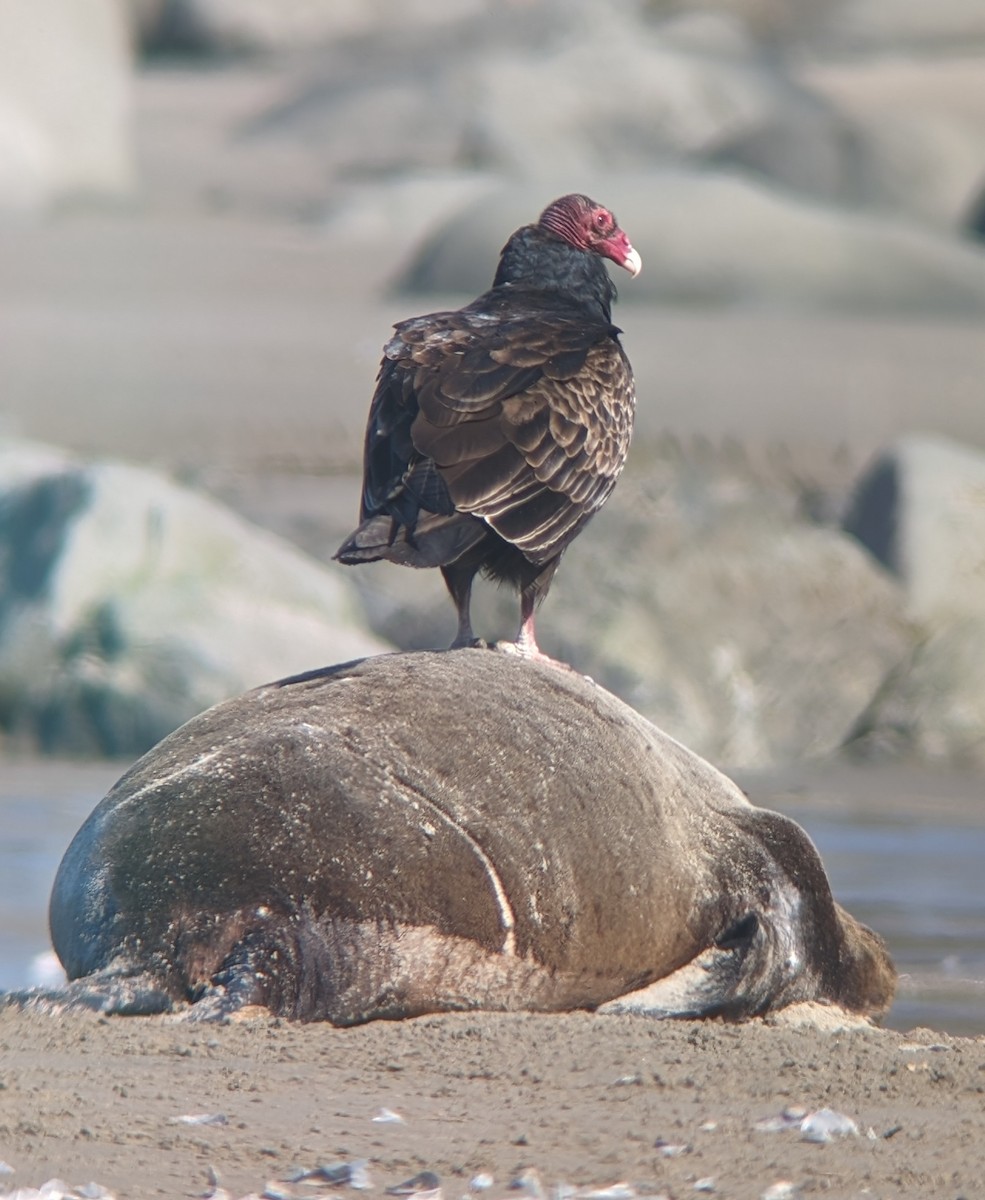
{"x": 498, "y": 430}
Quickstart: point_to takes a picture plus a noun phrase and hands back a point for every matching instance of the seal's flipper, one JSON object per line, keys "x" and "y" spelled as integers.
{"x": 107, "y": 992}
{"x": 722, "y": 981}
{"x": 703, "y": 987}
{"x": 235, "y": 991}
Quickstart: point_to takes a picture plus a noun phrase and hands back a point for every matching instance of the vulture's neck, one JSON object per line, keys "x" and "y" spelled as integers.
{"x": 538, "y": 261}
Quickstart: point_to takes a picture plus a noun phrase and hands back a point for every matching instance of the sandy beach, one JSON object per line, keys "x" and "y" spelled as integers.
{"x": 582, "y": 1100}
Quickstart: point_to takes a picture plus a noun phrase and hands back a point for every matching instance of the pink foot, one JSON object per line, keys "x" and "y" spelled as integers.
{"x": 530, "y": 653}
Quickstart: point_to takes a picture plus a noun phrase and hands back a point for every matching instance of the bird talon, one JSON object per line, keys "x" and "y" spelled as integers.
{"x": 472, "y": 643}
{"x": 513, "y": 648}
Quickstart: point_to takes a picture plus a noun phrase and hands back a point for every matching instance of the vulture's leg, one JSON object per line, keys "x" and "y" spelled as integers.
{"x": 530, "y": 598}
{"x": 458, "y": 578}
{"x": 526, "y": 640}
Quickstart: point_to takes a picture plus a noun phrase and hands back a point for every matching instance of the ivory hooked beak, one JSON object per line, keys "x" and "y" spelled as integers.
{"x": 632, "y": 262}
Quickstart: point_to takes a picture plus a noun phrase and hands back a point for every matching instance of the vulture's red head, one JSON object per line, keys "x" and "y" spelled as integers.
{"x": 591, "y": 227}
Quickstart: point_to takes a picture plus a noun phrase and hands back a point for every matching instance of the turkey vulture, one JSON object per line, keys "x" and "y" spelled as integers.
{"x": 496, "y": 431}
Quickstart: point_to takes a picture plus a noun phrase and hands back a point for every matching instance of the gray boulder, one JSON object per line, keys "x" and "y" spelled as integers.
{"x": 932, "y": 707}
{"x": 393, "y": 89}
{"x": 64, "y": 102}
{"x": 925, "y": 165}
{"x": 719, "y": 239}
{"x": 436, "y": 88}
{"x": 744, "y": 629}
{"x": 233, "y": 27}
{"x": 920, "y": 510}
{"x": 908, "y": 24}
{"x": 686, "y": 89}
{"x": 619, "y": 94}
{"x": 128, "y": 604}
{"x": 918, "y": 126}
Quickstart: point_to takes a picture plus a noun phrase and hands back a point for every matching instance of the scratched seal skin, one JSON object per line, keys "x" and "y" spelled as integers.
{"x": 430, "y": 832}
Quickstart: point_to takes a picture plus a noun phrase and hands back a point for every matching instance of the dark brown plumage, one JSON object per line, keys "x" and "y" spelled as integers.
{"x": 496, "y": 431}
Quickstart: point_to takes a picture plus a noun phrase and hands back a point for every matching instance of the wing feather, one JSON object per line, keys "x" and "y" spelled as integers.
{"x": 525, "y": 418}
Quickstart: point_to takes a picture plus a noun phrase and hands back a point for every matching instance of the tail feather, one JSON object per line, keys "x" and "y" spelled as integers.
{"x": 368, "y": 543}
{"x": 435, "y": 541}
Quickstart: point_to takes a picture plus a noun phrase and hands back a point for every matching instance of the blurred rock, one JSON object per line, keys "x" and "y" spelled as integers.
{"x": 64, "y": 102}
{"x": 920, "y": 509}
{"x": 927, "y": 166}
{"x": 687, "y": 89}
{"x": 775, "y": 23}
{"x": 975, "y": 221}
{"x": 230, "y": 27}
{"x": 718, "y": 239}
{"x": 907, "y": 24}
{"x": 375, "y": 92}
{"x": 145, "y": 17}
{"x": 918, "y": 124}
{"x": 727, "y": 618}
{"x": 932, "y": 707}
{"x": 128, "y": 604}
{"x": 617, "y": 94}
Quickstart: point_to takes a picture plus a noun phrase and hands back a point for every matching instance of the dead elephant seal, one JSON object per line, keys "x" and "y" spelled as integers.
{"x": 428, "y": 832}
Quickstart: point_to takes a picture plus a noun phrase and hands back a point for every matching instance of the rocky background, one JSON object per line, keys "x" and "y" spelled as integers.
{"x": 212, "y": 210}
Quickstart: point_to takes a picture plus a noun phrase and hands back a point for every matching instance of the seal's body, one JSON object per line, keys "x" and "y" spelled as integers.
{"x": 429, "y": 832}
